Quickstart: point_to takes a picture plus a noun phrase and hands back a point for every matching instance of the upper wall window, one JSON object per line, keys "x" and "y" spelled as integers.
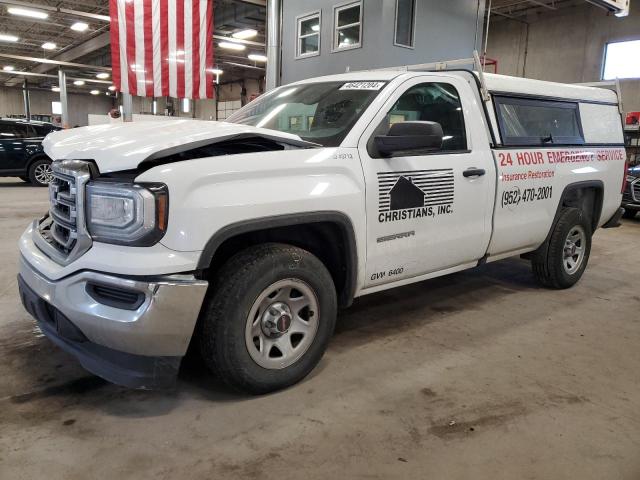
{"x": 347, "y": 26}
{"x": 405, "y": 23}
{"x": 526, "y": 121}
{"x": 621, "y": 60}
{"x": 308, "y": 35}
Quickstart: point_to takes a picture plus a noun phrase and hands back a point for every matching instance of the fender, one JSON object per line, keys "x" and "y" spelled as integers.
{"x": 597, "y": 211}
{"x": 265, "y": 223}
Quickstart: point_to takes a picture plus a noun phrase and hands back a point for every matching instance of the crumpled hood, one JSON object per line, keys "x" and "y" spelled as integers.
{"x": 123, "y": 146}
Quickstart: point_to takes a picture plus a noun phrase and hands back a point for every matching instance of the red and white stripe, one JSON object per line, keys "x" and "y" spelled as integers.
{"x": 162, "y": 47}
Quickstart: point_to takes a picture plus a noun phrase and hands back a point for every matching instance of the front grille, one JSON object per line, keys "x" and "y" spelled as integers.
{"x": 635, "y": 190}
{"x": 62, "y": 234}
{"x": 63, "y": 193}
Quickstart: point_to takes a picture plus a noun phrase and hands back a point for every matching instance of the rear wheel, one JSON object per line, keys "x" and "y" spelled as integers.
{"x": 268, "y": 319}
{"x": 561, "y": 262}
{"x": 628, "y": 213}
{"x": 40, "y": 173}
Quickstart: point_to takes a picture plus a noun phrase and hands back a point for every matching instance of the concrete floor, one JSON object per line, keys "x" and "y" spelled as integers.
{"x": 477, "y": 375}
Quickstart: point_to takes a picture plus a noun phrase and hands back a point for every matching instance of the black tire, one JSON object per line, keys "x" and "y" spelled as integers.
{"x": 629, "y": 214}
{"x": 549, "y": 261}
{"x": 35, "y": 168}
{"x": 232, "y": 294}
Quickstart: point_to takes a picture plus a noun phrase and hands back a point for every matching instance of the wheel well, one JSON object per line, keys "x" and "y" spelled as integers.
{"x": 587, "y": 198}
{"x": 330, "y": 241}
{"x": 37, "y": 156}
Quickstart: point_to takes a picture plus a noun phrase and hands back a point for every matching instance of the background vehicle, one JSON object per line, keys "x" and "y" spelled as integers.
{"x": 21, "y": 153}
{"x": 631, "y": 196}
{"x": 247, "y": 238}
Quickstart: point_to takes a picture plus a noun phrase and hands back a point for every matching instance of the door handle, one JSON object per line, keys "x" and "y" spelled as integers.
{"x": 473, "y": 172}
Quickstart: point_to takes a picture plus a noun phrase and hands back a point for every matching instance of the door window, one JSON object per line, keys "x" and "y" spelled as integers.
{"x": 9, "y": 131}
{"x": 432, "y": 102}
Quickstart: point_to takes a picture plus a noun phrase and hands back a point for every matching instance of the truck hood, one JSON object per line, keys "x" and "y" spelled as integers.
{"x": 124, "y": 146}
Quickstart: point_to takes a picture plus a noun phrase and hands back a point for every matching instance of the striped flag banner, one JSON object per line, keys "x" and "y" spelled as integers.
{"x": 162, "y": 47}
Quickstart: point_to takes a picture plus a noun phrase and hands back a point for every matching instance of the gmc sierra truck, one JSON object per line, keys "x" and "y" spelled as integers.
{"x": 243, "y": 238}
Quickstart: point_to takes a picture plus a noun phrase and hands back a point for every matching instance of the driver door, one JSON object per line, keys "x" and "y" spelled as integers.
{"x": 425, "y": 212}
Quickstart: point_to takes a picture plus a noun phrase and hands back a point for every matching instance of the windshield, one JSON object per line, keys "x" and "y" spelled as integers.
{"x": 317, "y": 112}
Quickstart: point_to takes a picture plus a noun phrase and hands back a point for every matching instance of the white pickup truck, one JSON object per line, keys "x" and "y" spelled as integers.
{"x": 244, "y": 237}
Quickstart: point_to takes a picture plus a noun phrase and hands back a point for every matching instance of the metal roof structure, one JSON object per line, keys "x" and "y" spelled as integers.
{"x": 82, "y": 50}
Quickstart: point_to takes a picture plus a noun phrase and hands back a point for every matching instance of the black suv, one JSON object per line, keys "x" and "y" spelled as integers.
{"x": 21, "y": 153}
{"x": 631, "y": 195}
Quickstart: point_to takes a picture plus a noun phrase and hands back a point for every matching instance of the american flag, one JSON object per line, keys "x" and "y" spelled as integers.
{"x": 162, "y": 47}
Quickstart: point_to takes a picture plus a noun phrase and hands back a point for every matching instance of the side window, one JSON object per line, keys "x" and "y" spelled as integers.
{"x": 8, "y": 131}
{"x": 347, "y": 26}
{"x": 432, "y": 102}
{"x": 525, "y": 121}
{"x": 42, "y": 131}
{"x": 405, "y": 23}
{"x": 308, "y": 35}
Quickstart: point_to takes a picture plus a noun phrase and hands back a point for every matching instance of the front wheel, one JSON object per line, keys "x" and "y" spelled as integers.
{"x": 40, "y": 173}
{"x": 268, "y": 319}
{"x": 561, "y": 262}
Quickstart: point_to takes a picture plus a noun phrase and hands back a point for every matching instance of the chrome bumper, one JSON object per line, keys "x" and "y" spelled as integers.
{"x": 161, "y": 323}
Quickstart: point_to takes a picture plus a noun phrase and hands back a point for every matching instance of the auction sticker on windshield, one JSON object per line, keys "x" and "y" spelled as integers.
{"x": 362, "y": 86}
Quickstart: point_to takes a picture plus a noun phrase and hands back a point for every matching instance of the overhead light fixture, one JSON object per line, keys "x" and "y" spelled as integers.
{"x": 8, "y": 38}
{"x": 55, "y": 89}
{"x": 216, "y": 71}
{"x": 231, "y": 46}
{"x": 244, "y": 34}
{"x": 49, "y": 46}
{"x": 112, "y": 88}
{"x": 25, "y": 12}
{"x": 79, "y": 83}
{"x": 79, "y": 26}
{"x": 102, "y": 75}
{"x": 8, "y": 68}
{"x": 95, "y": 92}
{"x": 256, "y": 57}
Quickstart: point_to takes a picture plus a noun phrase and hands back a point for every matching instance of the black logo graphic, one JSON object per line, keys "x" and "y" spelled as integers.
{"x": 415, "y": 194}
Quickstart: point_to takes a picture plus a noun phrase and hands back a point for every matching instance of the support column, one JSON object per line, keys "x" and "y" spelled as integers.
{"x": 127, "y": 107}
{"x": 62, "y": 81}
{"x": 273, "y": 43}
{"x": 27, "y": 100}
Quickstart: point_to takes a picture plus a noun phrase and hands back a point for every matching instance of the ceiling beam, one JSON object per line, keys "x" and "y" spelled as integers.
{"x": 47, "y": 8}
{"x": 54, "y": 62}
{"x": 48, "y": 75}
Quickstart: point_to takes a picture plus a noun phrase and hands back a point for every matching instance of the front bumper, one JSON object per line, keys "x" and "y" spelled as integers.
{"x": 130, "y": 331}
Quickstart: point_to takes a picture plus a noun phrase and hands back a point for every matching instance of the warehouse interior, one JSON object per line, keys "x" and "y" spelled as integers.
{"x": 454, "y": 372}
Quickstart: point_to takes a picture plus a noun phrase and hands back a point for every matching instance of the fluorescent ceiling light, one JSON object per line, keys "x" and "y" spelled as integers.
{"x": 102, "y": 75}
{"x": 8, "y": 68}
{"x": 315, "y": 28}
{"x": 112, "y": 88}
{"x": 49, "y": 46}
{"x": 79, "y": 26}
{"x": 244, "y": 34}
{"x": 25, "y": 12}
{"x": 95, "y": 92}
{"x": 231, "y": 46}
{"x": 257, "y": 57}
{"x": 8, "y": 38}
{"x": 216, "y": 71}
{"x": 79, "y": 83}
{"x": 55, "y": 89}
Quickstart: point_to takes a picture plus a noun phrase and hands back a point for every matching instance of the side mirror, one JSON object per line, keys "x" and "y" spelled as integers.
{"x": 410, "y": 137}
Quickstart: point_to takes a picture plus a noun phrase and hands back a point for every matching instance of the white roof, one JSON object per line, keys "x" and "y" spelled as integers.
{"x": 495, "y": 83}
{"x": 528, "y": 86}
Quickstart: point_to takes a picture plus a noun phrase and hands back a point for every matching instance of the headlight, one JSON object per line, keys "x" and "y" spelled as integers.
{"x": 127, "y": 214}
